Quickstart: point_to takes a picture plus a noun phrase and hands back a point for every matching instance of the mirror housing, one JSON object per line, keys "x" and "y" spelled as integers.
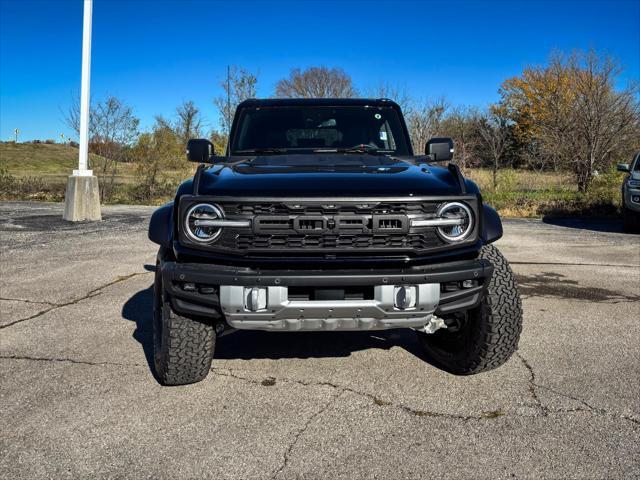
{"x": 439, "y": 148}
{"x": 199, "y": 150}
{"x": 622, "y": 167}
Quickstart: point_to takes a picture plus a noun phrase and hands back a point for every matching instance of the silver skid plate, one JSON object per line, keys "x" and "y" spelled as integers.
{"x": 281, "y": 314}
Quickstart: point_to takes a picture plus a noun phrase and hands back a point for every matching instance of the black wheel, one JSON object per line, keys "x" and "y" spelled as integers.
{"x": 630, "y": 220}
{"x": 182, "y": 347}
{"x": 483, "y": 338}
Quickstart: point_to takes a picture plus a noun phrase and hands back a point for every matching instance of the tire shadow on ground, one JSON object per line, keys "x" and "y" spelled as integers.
{"x": 248, "y": 345}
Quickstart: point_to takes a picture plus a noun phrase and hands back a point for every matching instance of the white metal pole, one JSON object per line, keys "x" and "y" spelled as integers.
{"x": 84, "y": 92}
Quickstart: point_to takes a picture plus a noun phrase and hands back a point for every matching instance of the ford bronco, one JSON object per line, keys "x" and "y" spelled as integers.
{"x": 319, "y": 217}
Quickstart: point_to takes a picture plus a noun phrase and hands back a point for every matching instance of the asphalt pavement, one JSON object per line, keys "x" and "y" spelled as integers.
{"x": 78, "y": 398}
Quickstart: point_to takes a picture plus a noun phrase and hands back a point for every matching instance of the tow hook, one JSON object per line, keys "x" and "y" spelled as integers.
{"x": 435, "y": 324}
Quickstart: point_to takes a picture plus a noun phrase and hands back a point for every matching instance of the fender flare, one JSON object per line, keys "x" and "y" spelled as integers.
{"x": 491, "y": 224}
{"x": 161, "y": 226}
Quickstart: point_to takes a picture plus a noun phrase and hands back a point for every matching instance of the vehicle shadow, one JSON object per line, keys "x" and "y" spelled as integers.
{"x": 246, "y": 345}
{"x": 139, "y": 309}
{"x": 608, "y": 225}
{"x": 556, "y": 285}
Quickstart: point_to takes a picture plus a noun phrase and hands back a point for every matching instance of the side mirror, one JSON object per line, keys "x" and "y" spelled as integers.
{"x": 199, "y": 150}
{"x": 441, "y": 149}
{"x": 623, "y": 167}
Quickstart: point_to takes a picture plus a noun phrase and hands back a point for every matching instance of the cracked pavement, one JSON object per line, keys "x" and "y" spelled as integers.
{"x": 79, "y": 399}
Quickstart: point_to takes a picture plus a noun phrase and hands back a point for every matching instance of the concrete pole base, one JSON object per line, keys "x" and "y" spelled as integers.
{"x": 82, "y": 200}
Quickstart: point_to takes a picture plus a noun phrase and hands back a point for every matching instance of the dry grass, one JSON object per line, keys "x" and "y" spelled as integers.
{"x": 39, "y": 172}
{"x": 521, "y": 180}
{"x": 523, "y": 193}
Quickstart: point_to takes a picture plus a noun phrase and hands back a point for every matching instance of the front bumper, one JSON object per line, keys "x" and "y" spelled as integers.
{"x": 628, "y": 197}
{"x": 218, "y": 291}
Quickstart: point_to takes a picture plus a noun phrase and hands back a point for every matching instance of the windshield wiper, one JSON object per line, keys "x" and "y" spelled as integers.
{"x": 261, "y": 150}
{"x": 369, "y": 149}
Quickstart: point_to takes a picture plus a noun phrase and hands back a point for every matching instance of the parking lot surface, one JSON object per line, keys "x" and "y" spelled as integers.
{"x": 79, "y": 399}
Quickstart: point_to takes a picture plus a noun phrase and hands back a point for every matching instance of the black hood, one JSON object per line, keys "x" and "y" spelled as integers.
{"x": 336, "y": 175}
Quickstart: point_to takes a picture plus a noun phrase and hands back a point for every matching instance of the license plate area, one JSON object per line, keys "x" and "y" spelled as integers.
{"x": 320, "y": 294}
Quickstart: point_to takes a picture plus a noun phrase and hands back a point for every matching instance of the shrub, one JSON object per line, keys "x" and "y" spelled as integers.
{"x": 29, "y": 188}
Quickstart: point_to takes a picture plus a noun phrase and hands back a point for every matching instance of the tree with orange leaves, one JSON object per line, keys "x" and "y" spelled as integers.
{"x": 570, "y": 115}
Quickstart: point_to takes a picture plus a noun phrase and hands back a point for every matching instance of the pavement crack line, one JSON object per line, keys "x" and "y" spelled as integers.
{"x": 532, "y": 384}
{"x": 24, "y": 300}
{"x": 486, "y": 415}
{"x": 90, "y": 294}
{"x": 586, "y": 407}
{"x": 376, "y": 400}
{"x": 68, "y": 360}
{"x": 299, "y": 433}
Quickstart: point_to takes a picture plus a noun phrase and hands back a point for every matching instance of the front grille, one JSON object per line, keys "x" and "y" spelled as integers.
{"x": 319, "y": 227}
{"x": 414, "y": 241}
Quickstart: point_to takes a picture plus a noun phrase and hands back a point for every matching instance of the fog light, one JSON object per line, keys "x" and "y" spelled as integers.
{"x": 635, "y": 199}
{"x": 405, "y": 297}
{"x": 467, "y": 284}
{"x": 255, "y": 299}
{"x": 189, "y": 287}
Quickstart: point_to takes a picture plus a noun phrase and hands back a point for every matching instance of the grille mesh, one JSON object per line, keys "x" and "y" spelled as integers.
{"x": 351, "y": 220}
{"x": 350, "y": 242}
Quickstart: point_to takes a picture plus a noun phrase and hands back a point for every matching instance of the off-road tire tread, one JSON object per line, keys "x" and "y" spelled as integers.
{"x": 187, "y": 348}
{"x": 496, "y": 337}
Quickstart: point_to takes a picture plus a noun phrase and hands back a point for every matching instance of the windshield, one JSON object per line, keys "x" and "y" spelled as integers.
{"x": 299, "y": 129}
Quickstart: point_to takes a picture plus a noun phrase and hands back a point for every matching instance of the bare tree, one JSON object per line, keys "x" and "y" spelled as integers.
{"x": 494, "y": 132}
{"x": 397, "y": 93}
{"x": 605, "y": 121}
{"x": 423, "y": 121}
{"x": 239, "y": 85}
{"x": 316, "y": 82}
{"x": 461, "y": 125}
{"x": 113, "y": 129}
{"x": 188, "y": 123}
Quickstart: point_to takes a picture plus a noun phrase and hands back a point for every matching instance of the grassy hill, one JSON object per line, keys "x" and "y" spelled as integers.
{"x": 39, "y": 172}
{"x": 52, "y": 162}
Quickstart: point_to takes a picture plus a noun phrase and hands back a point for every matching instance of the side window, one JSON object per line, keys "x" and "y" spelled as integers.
{"x": 385, "y": 137}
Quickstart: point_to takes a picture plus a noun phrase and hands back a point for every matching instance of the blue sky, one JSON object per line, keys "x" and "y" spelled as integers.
{"x": 155, "y": 54}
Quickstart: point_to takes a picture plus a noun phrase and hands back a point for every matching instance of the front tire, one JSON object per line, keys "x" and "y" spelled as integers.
{"x": 486, "y": 336}
{"x": 183, "y": 347}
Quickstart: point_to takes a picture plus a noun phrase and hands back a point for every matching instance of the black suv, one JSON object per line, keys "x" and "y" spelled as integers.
{"x": 321, "y": 218}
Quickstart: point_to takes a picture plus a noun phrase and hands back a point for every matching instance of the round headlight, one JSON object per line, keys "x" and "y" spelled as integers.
{"x": 195, "y": 222}
{"x": 462, "y": 228}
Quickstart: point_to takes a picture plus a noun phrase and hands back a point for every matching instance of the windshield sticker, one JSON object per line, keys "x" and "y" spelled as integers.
{"x": 383, "y": 136}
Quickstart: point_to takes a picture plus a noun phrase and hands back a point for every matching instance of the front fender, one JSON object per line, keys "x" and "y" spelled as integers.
{"x": 491, "y": 224}
{"x": 161, "y": 226}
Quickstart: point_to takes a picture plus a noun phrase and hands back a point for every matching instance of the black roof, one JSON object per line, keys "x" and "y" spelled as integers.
{"x": 288, "y": 102}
